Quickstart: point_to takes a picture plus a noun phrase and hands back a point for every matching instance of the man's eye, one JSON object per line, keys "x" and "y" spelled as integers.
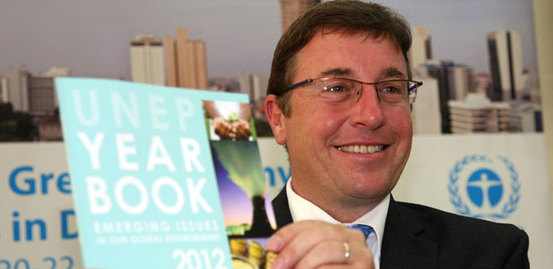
{"x": 335, "y": 88}
{"x": 391, "y": 89}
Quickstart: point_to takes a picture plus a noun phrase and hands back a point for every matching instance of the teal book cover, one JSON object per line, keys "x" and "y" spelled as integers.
{"x": 141, "y": 159}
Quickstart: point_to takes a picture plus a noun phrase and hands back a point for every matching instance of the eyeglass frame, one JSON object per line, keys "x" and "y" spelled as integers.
{"x": 410, "y": 90}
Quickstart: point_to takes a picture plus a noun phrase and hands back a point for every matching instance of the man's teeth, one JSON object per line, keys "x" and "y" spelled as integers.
{"x": 361, "y": 148}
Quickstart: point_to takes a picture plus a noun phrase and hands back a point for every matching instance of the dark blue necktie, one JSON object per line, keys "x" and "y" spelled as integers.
{"x": 365, "y": 229}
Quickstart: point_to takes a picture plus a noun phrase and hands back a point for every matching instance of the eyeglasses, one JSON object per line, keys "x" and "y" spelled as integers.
{"x": 342, "y": 90}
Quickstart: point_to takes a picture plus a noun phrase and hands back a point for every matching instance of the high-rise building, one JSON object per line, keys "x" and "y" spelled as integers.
{"x": 3, "y": 90}
{"x": 461, "y": 81}
{"x": 15, "y": 88}
{"x": 505, "y": 55}
{"x": 42, "y": 98}
{"x": 290, "y": 10}
{"x": 27, "y": 93}
{"x": 426, "y": 109}
{"x": 455, "y": 81}
{"x": 186, "y": 61}
{"x": 421, "y": 48}
{"x": 147, "y": 65}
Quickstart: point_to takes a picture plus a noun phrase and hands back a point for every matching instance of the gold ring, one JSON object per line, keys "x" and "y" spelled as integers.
{"x": 346, "y": 254}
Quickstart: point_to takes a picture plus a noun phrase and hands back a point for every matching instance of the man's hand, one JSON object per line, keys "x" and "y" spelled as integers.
{"x": 317, "y": 244}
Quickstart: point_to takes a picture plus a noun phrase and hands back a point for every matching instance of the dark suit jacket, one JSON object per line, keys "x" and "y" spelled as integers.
{"x": 417, "y": 236}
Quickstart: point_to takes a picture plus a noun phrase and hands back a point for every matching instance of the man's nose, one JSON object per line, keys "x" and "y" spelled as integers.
{"x": 367, "y": 109}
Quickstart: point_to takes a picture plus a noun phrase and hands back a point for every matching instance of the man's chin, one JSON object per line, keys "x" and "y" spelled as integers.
{"x": 370, "y": 188}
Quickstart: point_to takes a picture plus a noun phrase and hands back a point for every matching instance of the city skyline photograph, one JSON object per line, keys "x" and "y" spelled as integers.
{"x": 92, "y": 39}
{"x": 476, "y": 59}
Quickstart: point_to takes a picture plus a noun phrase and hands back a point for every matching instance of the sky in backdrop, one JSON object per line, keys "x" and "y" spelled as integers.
{"x": 92, "y": 38}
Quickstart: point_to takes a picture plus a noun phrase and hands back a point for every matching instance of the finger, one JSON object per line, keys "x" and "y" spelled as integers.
{"x": 297, "y": 247}
{"x": 334, "y": 253}
{"x": 360, "y": 257}
{"x": 326, "y": 253}
{"x": 295, "y": 241}
{"x": 284, "y": 235}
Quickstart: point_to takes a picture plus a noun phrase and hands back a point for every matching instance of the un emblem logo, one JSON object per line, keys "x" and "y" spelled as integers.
{"x": 484, "y": 187}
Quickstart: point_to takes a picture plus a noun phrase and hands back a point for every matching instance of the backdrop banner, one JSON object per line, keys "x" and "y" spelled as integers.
{"x": 501, "y": 178}
{"x": 37, "y": 221}
{"x": 498, "y": 177}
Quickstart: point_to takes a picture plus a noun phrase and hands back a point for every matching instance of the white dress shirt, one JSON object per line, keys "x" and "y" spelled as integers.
{"x": 302, "y": 209}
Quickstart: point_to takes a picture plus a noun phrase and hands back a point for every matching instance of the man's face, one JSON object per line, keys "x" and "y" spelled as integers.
{"x": 319, "y": 135}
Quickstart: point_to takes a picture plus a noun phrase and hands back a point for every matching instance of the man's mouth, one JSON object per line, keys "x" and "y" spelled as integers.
{"x": 363, "y": 149}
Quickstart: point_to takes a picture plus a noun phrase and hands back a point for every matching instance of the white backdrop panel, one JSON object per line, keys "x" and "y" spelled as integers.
{"x": 445, "y": 172}
{"x": 427, "y": 179}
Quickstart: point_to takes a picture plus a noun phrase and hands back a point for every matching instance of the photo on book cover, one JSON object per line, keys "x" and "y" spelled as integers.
{"x": 246, "y": 205}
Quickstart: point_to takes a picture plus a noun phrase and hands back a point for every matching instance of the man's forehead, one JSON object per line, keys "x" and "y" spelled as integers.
{"x": 324, "y": 68}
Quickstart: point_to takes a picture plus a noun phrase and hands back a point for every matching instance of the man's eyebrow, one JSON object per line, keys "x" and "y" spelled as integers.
{"x": 392, "y": 72}
{"x": 336, "y": 72}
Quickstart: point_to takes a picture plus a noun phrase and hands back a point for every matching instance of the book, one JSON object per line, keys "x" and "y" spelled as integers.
{"x": 151, "y": 167}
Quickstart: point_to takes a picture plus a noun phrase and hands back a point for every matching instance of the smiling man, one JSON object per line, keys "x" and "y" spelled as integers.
{"x": 339, "y": 99}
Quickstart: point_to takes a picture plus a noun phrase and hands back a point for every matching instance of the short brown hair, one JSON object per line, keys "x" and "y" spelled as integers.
{"x": 349, "y": 16}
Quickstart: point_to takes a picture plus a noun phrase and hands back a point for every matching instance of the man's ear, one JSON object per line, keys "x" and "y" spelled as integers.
{"x": 276, "y": 118}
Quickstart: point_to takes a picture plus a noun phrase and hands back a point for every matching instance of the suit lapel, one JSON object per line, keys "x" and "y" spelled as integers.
{"x": 406, "y": 243}
{"x": 282, "y": 209}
